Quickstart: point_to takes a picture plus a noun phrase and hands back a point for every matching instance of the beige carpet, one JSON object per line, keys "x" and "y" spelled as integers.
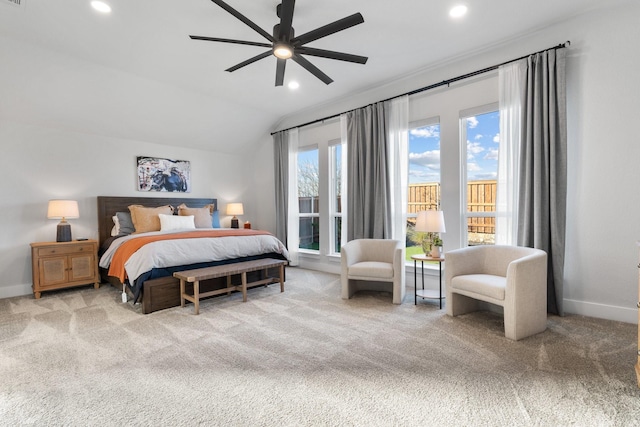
{"x": 304, "y": 357}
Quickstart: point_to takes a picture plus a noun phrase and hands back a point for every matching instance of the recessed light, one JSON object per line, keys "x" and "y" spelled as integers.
{"x": 293, "y": 85}
{"x": 458, "y": 11}
{"x": 101, "y": 6}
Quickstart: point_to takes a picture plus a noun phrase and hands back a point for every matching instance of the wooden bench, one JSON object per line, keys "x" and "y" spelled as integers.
{"x": 228, "y": 270}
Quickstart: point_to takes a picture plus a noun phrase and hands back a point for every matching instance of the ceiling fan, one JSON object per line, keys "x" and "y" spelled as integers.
{"x": 283, "y": 44}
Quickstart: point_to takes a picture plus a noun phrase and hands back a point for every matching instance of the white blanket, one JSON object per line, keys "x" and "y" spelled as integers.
{"x": 170, "y": 253}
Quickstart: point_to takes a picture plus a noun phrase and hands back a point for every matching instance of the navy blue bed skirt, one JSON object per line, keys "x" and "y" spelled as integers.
{"x": 156, "y": 273}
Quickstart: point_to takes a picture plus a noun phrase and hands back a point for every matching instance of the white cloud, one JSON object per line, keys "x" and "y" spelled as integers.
{"x": 472, "y": 122}
{"x": 416, "y": 176}
{"x": 488, "y": 175}
{"x": 496, "y": 138}
{"x": 492, "y": 154}
{"x": 430, "y": 159}
{"x": 478, "y": 136}
{"x": 473, "y": 167}
{"x": 426, "y": 132}
{"x": 474, "y": 148}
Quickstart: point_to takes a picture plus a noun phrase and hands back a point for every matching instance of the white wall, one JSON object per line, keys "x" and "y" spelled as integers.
{"x": 601, "y": 273}
{"x": 39, "y": 164}
{"x": 603, "y": 100}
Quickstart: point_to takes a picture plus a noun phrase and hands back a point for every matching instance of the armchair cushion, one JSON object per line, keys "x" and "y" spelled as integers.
{"x": 368, "y": 269}
{"x": 484, "y": 284}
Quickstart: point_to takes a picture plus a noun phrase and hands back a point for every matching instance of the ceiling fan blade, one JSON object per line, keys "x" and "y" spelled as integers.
{"x": 249, "y": 61}
{"x": 311, "y": 68}
{"x": 334, "y": 27}
{"x": 280, "y": 71}
{"x": 286, "y": 19}
{"x": 216, "y": 39}
{"x": 244, "y": 19}
{"x": 332, "y": 54}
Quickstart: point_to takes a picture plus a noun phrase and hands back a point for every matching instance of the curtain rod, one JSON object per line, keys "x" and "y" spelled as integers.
{"x": 433, "y": 86}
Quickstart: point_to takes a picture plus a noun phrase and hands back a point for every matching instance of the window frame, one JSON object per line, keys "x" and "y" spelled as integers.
{"x": 301, "y": 215}
{"x": 435, "y": 120}
{"x": 333, "y": 158}
{"x": 465, "y": 114}
{"x": 415, "y": 124}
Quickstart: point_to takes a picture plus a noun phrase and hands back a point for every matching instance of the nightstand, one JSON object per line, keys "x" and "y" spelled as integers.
{"x": 426, "y": 293}
{"x": 58, "y": 265}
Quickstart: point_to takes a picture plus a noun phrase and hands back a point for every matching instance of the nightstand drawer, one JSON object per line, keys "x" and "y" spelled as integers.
{"x": 66, "y": 249}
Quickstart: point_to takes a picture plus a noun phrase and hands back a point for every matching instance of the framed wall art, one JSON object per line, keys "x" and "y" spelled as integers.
{"x": 158, "y": 174}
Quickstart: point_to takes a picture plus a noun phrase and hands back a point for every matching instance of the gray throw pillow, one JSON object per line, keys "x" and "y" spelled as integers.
{"x": 126, "y": 224}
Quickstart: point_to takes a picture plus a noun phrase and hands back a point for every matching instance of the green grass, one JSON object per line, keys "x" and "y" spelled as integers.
{"x": 413, "y": 250}
{"x": 313, "y": 246}
{"x": 416, "y": 250}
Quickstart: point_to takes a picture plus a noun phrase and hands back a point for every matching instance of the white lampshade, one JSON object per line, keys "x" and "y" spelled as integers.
{"x": 235, "y": 209}
{"x": 430, "y": 221}
{"x": 62, "y": 209}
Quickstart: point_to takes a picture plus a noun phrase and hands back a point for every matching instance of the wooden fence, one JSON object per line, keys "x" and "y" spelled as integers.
{"x": 423, "y": 197}
{"x": 481, "y": 197}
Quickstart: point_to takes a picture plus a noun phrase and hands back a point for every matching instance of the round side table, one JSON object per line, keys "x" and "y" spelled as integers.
{"x": 426, "y": 293}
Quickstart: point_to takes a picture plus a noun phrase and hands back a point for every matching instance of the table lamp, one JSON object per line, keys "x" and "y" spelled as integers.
{"x": 432, "y": 223}
{"x": 63, "y": 209}
{"x": 235, "y": 209}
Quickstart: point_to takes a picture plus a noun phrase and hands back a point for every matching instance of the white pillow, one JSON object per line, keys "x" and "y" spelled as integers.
{"x": 175, "y": 222}
{"x": 116, "y": 228}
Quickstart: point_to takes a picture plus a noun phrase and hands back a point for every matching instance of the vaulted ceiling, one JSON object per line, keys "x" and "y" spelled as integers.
{"x": 136, "y": 74}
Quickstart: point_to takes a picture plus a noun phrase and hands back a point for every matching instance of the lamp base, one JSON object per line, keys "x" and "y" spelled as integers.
{"x": 234, "y": 223}
{"x": 64, "y": 232}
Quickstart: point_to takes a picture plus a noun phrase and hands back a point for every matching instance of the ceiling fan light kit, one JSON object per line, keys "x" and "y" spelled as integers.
{"x": 284, "y": 45}
{"x": 282, "y": 51}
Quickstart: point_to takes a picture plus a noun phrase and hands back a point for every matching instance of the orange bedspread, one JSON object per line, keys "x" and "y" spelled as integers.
{"x": 128, "y": 248}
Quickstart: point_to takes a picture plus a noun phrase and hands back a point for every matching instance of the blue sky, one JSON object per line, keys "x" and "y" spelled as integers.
{"x": 424, "y": 150}
{"x": 482, "y": 150}
{"x": 308, "y": 156}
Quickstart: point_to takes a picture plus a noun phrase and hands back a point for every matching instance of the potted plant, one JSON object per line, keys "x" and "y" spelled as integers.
{"x": 436, "y": 247}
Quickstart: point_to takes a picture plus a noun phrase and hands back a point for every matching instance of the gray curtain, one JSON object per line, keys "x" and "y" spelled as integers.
{"x": 368, "y": 206}
{"x": 281, "y": 172}
{"x": 543, "y": 166}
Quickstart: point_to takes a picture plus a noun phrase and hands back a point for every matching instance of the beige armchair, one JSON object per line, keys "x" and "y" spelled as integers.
{"x": 373, "y": 265}
{"x": 512, "y": 277}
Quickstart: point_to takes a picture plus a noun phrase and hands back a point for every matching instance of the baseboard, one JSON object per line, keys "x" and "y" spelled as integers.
{"x": 601, "y": 311}
{"x": 431, "y": 273}
{"x": 312, "y": 264}
{"x": 15, "y": 291}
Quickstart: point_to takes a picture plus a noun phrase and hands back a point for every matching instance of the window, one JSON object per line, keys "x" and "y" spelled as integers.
{"x": 481, "y": 131}
{"x": 319, "y": 195}
{"x": 335, "y": 188}
{"x": 308, "y": 199}
{"x": 424, "y": 178}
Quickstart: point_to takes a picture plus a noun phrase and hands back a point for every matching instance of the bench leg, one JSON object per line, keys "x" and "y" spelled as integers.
{"x": 196, "y": 297}
{"x": 181, "y": 292}
{"x": 281, "y": 277}
{"x": 229, "y": 284}
{"x": 244, "y": 287}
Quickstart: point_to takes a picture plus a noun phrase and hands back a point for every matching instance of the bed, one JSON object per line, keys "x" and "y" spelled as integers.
{"x": 157, "y": 289}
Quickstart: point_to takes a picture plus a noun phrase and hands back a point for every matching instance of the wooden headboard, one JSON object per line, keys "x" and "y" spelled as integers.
{"x": 108, "y": 206}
